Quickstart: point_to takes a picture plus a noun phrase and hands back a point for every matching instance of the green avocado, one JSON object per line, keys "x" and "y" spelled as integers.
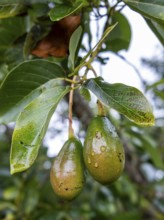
{"x": 103, "y": 152}
{"x": 67, "y": 173}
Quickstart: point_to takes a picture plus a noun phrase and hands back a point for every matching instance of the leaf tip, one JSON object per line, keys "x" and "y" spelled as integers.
{"x": 147, "y": 121}
{"x": 16, "y": 168}
{"x": 12, "y": 171}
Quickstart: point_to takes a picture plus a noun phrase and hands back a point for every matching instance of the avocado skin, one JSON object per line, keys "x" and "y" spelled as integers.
{"x": 103, "y": 153}
{"x": 67, "y": 173}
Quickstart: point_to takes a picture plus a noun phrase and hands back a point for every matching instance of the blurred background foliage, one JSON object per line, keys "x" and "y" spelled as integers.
{"x": 139, "y": 192}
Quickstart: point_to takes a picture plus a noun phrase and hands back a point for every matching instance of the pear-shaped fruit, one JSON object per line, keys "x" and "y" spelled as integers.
{"x": 67, "y": 173}
{"x": 103, "y": 152}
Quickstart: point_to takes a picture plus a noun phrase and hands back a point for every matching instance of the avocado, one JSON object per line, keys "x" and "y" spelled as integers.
{"x": 67, "y": 173}
{"x": 103, "y": 153}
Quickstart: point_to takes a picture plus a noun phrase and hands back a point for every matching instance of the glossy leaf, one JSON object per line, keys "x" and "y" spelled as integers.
{"x": 74, "y": 42}
{"x": 31, "y": 127}
{"x": 151, "y": 9}
{"x": 127, "y": 100}
{"x": 23, "y": 84}
{"x": 120, "y": 37}
{"x": 61, "y": 11}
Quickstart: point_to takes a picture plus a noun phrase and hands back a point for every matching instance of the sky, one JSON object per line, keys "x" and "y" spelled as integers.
{"x": 144, "y": 44}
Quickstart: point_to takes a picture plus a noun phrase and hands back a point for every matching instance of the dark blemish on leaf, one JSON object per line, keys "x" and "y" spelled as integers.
{"x": 66, "y": 189}
{"x": 21, "y": 142}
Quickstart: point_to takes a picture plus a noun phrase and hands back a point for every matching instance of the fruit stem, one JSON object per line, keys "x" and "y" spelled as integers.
{"x": 70, "y": 129}
{"x": 101, "y": 108}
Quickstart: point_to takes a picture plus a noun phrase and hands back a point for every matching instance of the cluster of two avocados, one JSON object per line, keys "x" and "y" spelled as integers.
{"x": 103, "y": 155}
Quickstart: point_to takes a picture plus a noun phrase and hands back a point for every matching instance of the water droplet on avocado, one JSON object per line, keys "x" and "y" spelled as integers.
{"x": 102, "y": 148}
{"x": 108, "y": 161}
{"x": 67, "y": 172}
{"x": 96, "y": 165}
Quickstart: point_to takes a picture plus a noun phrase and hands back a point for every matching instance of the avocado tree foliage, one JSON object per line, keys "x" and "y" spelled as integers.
{"x": 44, "y": 57}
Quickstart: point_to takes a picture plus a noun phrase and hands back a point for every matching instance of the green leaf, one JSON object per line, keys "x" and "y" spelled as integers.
{"x": 11, "y": 10}
{"x": 73, "y": 45}
{"x": 103, "y": 38}
{"x": 13, "y": 55}
{"x": 61, "y": 11}
{"x": 156, "y": 84}
{"x": 23, "y": 84}
{"x": 94, "y": 51}
{"x": 3, "y": 72}
{"x": 129, "y": 215}
{"x": 10, "y": 30}
{"x": 25, "y": 2}
{"x": 120, "y": 37}
{"x": 85, "y": 93}
{"x": 63, "y": 1}
{"x": 31, "y": 127}
{"x": 10, "y": 2}
{"x": 150, "y": 146}
{"x": 7, "y": 205}
{"x": 34, "y": 35}
{"x": 159, "y": 94}
{"x": 157, "y": 28}
{"x": 32, "y": 199}
{"x": 127, "y": 100}
{"x": 151, "y": 9}
{"x": 153, "y": 151}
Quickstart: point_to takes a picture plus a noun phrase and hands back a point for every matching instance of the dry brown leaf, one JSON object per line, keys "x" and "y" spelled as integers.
{"x": 56, "y": 43}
